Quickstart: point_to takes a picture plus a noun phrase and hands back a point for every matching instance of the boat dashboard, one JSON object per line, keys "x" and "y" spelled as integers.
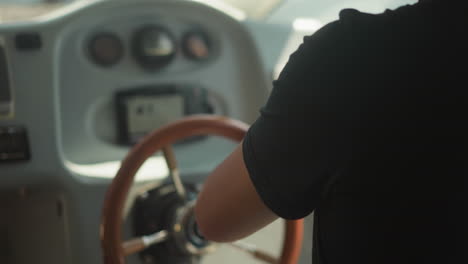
{"x": 79, "y": 86}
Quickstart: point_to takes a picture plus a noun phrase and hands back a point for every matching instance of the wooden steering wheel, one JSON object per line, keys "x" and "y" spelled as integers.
{"x": 115, "y": 250}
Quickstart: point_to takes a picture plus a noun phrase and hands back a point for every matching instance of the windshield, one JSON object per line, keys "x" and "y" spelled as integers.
{"x": 273, "y": 10}
{"x": 18, "y": 10}
{"x": 22, "y": 9}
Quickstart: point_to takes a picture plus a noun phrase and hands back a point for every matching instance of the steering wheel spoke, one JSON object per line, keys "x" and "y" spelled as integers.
{"x": 171, "y": 161}
{"x": 253, "y": 251}
{"x": 138, "y": 244}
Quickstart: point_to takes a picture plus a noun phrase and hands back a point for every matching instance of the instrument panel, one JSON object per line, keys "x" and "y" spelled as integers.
{"x": 87, "y": 81}
{"x": 207, "y": 57}
{"x": 154, "y": 46}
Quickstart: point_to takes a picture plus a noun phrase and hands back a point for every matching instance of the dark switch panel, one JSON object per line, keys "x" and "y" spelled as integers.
{"x": 14, "y": 144}
{"x": 28, "y": 41}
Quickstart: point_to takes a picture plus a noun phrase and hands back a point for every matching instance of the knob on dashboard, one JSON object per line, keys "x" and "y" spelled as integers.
{"x": 153, "y": 47}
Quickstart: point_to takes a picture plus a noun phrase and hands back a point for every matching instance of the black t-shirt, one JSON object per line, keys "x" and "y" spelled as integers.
{"x": 366, "y": 126}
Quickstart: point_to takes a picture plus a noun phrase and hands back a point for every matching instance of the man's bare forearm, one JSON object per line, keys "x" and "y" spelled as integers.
{"x": 228, "y": 207}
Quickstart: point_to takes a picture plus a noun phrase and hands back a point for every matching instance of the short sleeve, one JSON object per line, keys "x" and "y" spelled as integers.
{"x": 297, "y": 145}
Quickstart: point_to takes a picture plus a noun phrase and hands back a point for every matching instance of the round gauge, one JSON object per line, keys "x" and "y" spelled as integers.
{"x": 196, "y": 45}
{"x": 153, "y": 47}
{"x": 106, "y": 49}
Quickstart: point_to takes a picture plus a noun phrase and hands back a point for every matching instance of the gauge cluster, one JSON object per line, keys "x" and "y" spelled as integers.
{"x": 151, "y": 46}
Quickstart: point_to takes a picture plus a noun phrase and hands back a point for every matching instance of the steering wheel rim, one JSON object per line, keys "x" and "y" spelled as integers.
{"x": 116, "y": 195}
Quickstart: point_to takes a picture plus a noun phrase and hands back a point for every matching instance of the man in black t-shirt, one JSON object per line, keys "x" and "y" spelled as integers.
{"x": 366, "y": 126}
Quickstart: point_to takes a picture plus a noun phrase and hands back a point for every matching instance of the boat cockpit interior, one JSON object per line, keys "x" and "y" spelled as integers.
{"x": 82, "y": 85}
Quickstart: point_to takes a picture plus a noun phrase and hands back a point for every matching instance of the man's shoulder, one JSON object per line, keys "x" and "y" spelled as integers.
{"x": 353, "y": 23}
{"x": 389, "y": 19}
